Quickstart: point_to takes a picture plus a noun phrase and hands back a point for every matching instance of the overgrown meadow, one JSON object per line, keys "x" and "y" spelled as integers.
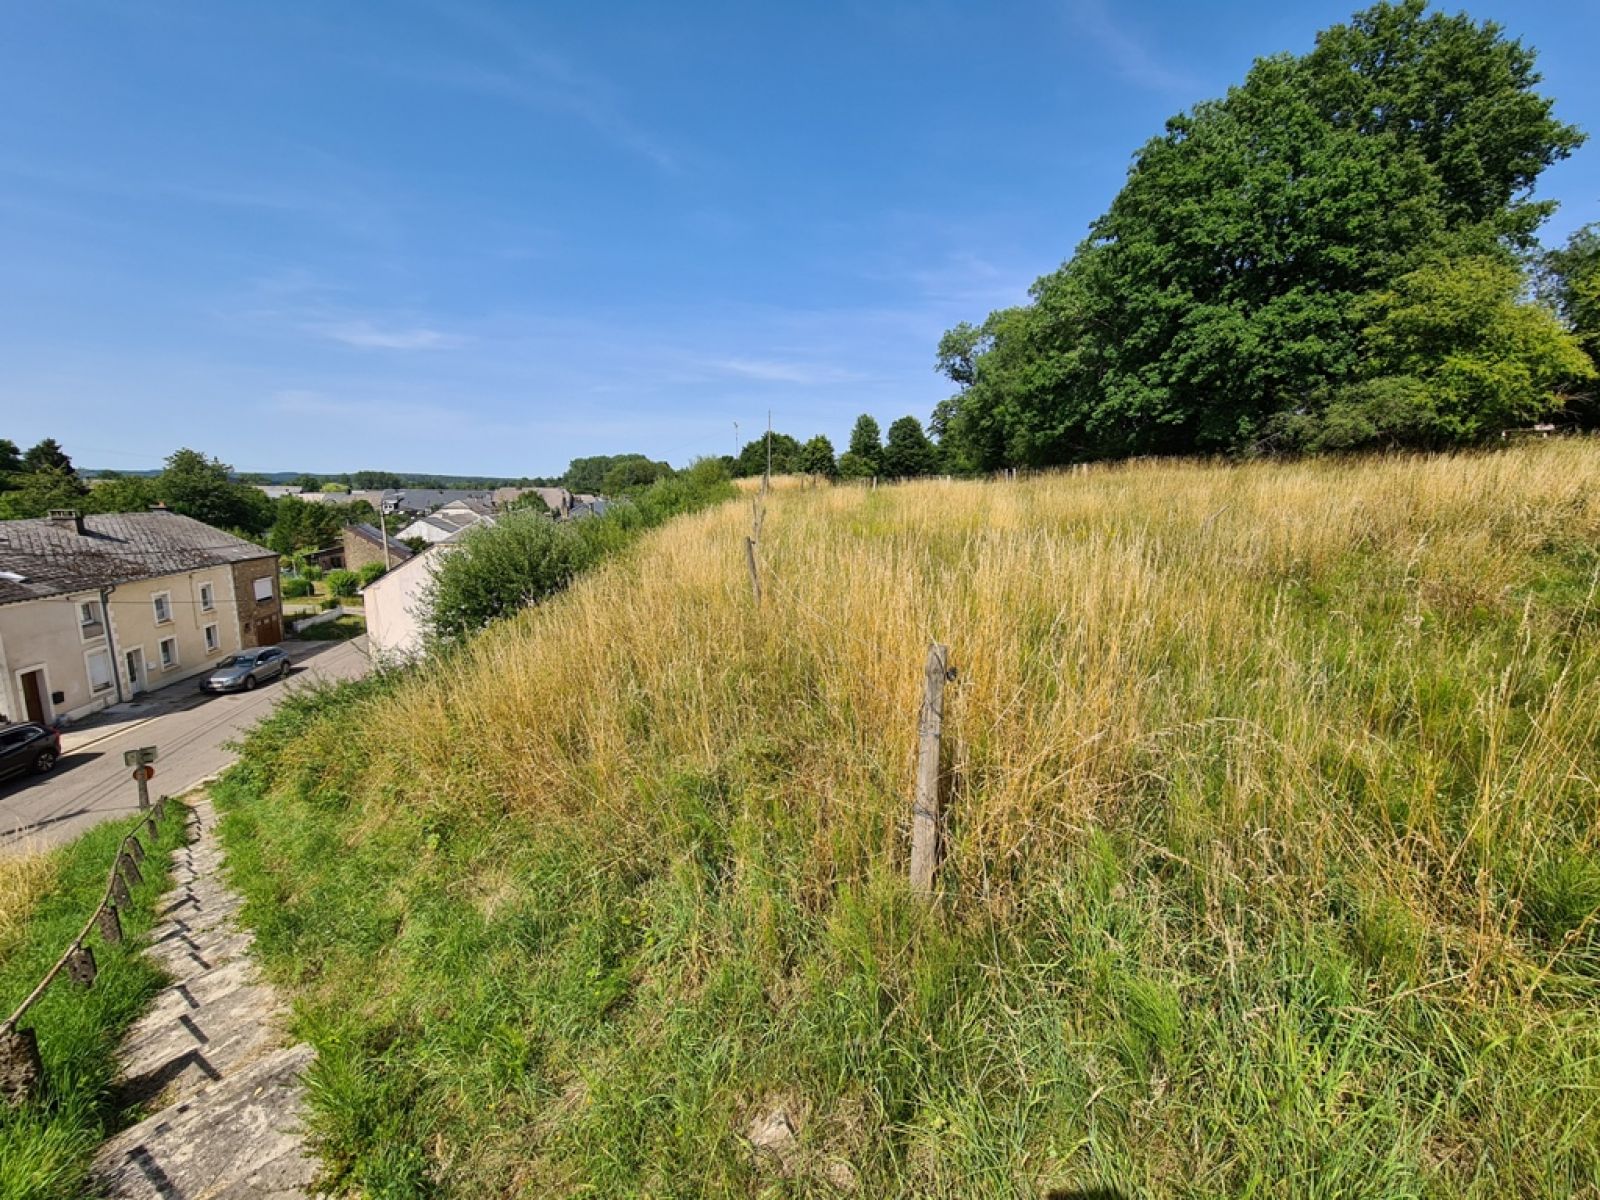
{"x": 1272, "y": 865}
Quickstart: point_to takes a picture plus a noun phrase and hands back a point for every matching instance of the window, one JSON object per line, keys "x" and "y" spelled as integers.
{"x": 99, "y": 663}
{"x": 91, "y": 620}
{"x": 163, "y": 606}
{"x": 208, "y": 601}
{"x": 264, "y": 588}
{"x": 169, "y": 653}
{"x": 213, "y": 639}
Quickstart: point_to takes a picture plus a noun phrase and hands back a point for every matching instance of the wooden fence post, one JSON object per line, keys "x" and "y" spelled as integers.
{"x": 81, "y": 967}
{"x": 109, "y": 923}
{"x": 130, "y": 871}
{"x": 925, "y": 808}
{"x": 21, "y": 1072}
{"x": 750, "y": 561}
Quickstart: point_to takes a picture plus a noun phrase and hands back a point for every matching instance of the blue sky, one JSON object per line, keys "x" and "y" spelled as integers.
{"x": 470, "y": 237}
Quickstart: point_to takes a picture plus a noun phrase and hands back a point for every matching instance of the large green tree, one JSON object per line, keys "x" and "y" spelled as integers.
{"x": 1574, "y": 274}
{"x": 866, "y": 446}
{"x": 753, "y": 458}
{"x": 47, "y": 455}
{"x": 1232, "y": 277}
{"x": 816, "y": 458}
{"x": 908, "y": 452}
{"x": 203, "y": 488}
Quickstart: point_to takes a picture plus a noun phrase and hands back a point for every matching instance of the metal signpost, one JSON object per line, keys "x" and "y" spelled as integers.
{"x": 143, "y": 772}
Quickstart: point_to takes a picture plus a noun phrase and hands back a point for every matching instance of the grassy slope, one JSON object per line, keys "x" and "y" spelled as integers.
{"x": 1273, "y": 859}
{"x": 45, "y": 1148}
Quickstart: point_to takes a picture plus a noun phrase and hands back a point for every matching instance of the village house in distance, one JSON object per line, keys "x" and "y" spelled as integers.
{"x": 96, "y": 609}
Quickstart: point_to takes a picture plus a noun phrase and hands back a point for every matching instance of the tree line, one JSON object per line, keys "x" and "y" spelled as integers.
{"x": 1339, "y": 253}
{"x": 34, "y": 482}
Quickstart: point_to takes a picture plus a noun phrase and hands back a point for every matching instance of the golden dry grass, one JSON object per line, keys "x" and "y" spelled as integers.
{"x": 1124, "y": 637}
{"x": 1273, "y": 840}
{"x": 24, "y": 878}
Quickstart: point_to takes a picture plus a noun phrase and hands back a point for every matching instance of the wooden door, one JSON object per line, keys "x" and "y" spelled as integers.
{"x": 33, "y": 694}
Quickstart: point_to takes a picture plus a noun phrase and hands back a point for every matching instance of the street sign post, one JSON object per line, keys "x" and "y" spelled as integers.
{"x": 143, "y": 772}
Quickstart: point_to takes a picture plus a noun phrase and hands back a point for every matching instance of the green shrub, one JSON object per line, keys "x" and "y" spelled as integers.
{"x": 295, "y": 589}
{"x": 311, "y": 571}
{"x": 343, "y": 583}
{"x": 330, "y": 603}
{"x": 370, "y": 572}
{"x": 527, "y": 557}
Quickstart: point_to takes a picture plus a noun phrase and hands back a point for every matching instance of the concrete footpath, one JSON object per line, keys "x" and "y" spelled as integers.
{"x": 210, "y": 1059}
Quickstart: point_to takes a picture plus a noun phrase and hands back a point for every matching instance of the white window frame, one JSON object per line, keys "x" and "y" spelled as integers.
{"x": 161, "y": 653}
{"x": 111, "y": 671}
{"x": 213, "y": 633}
{"x": 84, "y": 626}
{"x": 208, "y": 597}
{"x": 155, "y": 607}
{"x": 255, "y": 588}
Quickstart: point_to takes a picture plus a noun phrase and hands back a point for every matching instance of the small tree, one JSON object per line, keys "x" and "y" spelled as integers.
{"x": 343, "y": 583}
{"x": 370, "y": 572}
{"x": 866, "y": 443}
{"x": 853, "y": 466}
{"x": 909, "y": 452}
{"x": 816, "y": 458}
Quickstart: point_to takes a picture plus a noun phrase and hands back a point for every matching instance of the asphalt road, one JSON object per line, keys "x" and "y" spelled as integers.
{"x": 188, "y": 729}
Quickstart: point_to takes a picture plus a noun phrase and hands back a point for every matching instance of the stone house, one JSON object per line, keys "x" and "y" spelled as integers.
{"x": 95, "y": 610}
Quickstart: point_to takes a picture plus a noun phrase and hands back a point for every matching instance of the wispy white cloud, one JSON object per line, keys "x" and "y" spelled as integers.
{"x": 517, "y": 69}
{"x": 767, "y": 370}
{"x": 367, "y": 336}
{"x": 1131, "y": 58}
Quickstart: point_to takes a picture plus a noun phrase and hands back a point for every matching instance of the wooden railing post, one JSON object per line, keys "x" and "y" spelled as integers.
{"x": 925, "y": 808}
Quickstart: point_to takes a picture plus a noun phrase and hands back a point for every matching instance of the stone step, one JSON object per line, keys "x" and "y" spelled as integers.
{"x": 234, "y": 1141}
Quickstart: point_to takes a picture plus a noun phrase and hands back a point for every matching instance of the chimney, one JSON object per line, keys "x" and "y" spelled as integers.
{"x": 160, "y": 506}
{"x": 68, "y": 516}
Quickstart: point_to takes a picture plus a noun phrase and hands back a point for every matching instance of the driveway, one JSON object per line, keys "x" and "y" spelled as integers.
{"x": 188, "y": 729}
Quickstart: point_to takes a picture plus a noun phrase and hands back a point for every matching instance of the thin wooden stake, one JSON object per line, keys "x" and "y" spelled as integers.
{"x": 750, "y": 561}
{"x": 925, "y": 808}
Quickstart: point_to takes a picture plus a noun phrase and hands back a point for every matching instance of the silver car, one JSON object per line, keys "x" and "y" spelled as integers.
{"x": 243, "y": 671}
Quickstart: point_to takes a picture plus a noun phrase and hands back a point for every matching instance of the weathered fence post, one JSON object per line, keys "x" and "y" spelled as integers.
{"x": 119, "y": 889}
{"x": 109, "y": 924}
{"x": 81, "y": 967}
{"x": 135, "y": 849}
{"x": 750, "y": 561}
{"x": 21, "y": 1072}
{"x": 129, "y": 871}
{"x": 925, "y": 808}
{"x": 150, "y": 828}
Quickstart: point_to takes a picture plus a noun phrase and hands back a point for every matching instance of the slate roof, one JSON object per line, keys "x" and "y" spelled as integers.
{"x": 53, "y": 558}
{"x": 421, "y": 500}
{"x": 398, "y": 550}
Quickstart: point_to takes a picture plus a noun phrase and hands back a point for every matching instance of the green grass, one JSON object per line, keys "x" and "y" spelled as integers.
{"x": 340, "y": 629}
{"x": 46, "y": 1146}
{"x": 1273, "y": 865}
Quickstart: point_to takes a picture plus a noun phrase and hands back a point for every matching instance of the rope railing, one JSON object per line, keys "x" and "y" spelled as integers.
{"x": 21, "y": 1071}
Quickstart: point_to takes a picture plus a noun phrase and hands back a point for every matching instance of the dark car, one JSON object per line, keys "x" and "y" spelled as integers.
{"x": 243, "y": 671}
{"x": 28, "y": 747}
